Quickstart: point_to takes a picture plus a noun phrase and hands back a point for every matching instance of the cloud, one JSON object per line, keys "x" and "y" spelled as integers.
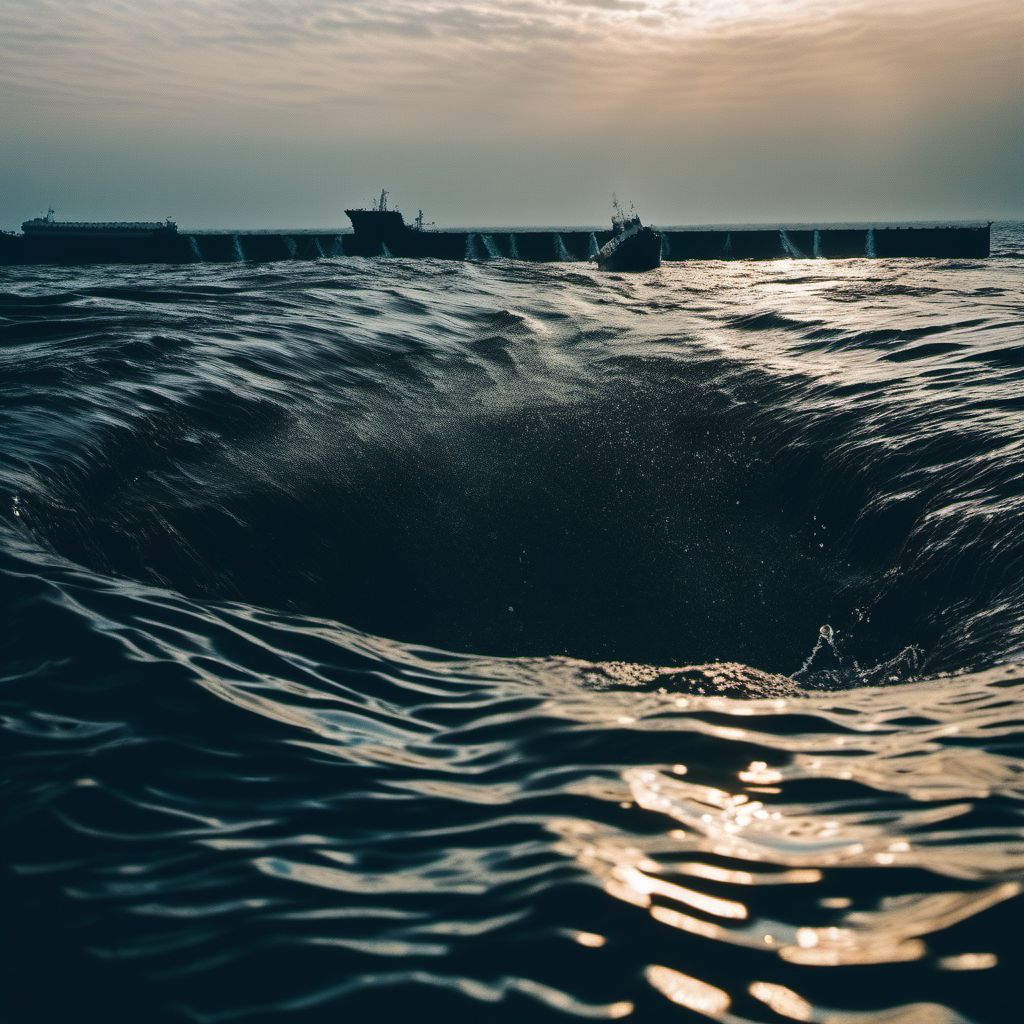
{"x": 140, "y": 56}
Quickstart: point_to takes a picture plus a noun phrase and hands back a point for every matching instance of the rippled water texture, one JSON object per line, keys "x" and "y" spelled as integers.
{"x": 473, "y": 642}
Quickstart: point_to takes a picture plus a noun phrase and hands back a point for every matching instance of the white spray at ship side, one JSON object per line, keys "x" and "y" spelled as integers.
{"x": 788, "y": 247}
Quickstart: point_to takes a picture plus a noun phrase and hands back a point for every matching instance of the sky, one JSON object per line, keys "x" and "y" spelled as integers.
{"x": 280, "y": 113}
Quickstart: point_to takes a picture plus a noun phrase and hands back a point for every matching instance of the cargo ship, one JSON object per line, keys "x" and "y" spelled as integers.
{"x": 48, "y": 240}
{"x": 380, "y": 231}
{"x": 49, "y": 229}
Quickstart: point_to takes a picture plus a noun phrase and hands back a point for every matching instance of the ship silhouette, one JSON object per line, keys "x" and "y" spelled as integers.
{"x": 380, "y": 230}
{"x": 632, "y": 245}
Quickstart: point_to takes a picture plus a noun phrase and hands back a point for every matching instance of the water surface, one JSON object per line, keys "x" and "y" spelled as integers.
{"x": 507, "y": 641}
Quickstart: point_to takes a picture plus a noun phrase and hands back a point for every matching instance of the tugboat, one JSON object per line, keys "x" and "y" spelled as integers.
{"x": 632, "y": 246}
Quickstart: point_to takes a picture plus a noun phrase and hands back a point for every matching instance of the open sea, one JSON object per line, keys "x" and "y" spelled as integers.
{"x": 416, "y": 641}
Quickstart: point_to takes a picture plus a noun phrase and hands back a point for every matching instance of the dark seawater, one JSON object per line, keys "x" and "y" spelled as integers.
{"x": 417, "y": 641}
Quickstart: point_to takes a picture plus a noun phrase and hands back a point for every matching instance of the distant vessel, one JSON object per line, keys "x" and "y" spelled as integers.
{"x": 48, "y": 227}
{"x": 632, "y": 246}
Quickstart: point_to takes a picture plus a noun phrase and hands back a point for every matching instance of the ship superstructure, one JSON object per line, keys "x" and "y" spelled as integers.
{"x": 378, "y": 222}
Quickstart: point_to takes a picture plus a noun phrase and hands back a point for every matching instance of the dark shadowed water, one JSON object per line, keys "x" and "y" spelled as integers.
{"x": 417, "y": 641}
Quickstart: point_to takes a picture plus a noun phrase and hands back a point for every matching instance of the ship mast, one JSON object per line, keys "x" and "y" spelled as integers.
{"x": 618, "y": 217}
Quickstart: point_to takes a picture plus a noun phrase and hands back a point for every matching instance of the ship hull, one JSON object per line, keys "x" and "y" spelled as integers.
{"x": 881, "y": 242}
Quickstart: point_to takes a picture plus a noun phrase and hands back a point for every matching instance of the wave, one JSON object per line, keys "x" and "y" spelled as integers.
{"x": 511, "y": 477}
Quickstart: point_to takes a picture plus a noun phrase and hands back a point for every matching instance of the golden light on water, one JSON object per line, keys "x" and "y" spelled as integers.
{"x": 692, "y": 993}
{"x": 969, "y": 962}
{"x": 784, "y": 1001}
{"x": 725, "y": 846}
{"x": 742, "y": 852}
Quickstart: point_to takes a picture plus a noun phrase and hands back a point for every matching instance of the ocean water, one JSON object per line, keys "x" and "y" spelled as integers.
{"x": 416, "y": 641}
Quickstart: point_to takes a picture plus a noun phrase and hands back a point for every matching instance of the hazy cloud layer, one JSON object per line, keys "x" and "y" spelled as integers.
{"x": 262, "y": 112}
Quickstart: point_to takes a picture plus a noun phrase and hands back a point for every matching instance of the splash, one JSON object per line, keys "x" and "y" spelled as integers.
{"x": 236, "y": 249}
{"x": 826, "y": 642}
{"x": 193, "y": 245}
{"x": 869, "y": 245}
{"x": 561, "y": 252}
{"x": 493, "y": 252}
{"x": 788, "y": 247}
